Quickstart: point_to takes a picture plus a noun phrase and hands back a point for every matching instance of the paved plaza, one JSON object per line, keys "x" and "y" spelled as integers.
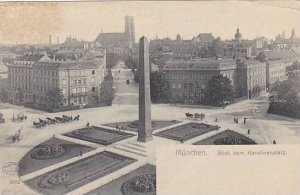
{"x": 264, "y": 128}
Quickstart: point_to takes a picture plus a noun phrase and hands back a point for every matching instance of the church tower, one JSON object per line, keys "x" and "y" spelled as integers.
{"x": 129, "y": 30}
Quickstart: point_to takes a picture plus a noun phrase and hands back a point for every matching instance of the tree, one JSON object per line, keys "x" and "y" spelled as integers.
{"x": 130, "y": 62}
{"x": 160, "y": 91}
{"x": 285, "y": 98}
{"x": 107, "y": 92}
{"x": 285, "y": 92}
{"x": 111, "y": 60}
{"x": 219, "y": 90}
{"x": 54, "y": 99}
{"x": 3, "y": 95}
{"x": 293, "y": 71}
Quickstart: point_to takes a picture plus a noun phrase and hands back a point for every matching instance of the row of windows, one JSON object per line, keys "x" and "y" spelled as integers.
{"x": 257, "y": 72}
{"x": 81, "y": 81}
{"x": 277, "y": 71}
{"x": 45, "y": 80}
{"x": 77, "y": 90}
{"x": 235, "y": 50}
{"x": 187, "y": 76}
{"x": 77, "y": 72}
{"x": 188, "y": 95}
{"x": 23, "y": 86}
{"x": 19, "y": 77}
{"x": 190, "y": 86}
{"x": 258, "y": 81}
{"x": 34, "y": 71}
{"x": 80, "y": 100}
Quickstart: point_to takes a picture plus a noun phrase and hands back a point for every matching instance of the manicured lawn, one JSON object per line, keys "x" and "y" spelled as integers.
{"x": 186, "y": 131}
{"x": 29, "y": 164}
{"x": 98, "y": 135}
{"x": 133, "y": 125}
{"x": 79, "y": 173}
{"x": 219, "y": 139}
{"x": 115, "y": 186}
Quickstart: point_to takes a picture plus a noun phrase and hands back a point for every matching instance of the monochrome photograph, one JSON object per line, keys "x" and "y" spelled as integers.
{"x": 90, "y": 92}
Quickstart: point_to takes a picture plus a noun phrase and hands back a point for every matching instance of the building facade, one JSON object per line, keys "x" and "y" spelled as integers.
{"x": 120, "y": 42}
{"x": 188, "y": 79}
{"x": 237, "y": 48}
{"x": 276, "y": 63}
{"x": 78, "y": 81}
{"x": 251, "y": 80}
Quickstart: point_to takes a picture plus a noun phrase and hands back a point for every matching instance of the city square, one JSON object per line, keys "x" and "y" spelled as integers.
{"x": 89, "y": 117}
{"x": 263, "y": 131}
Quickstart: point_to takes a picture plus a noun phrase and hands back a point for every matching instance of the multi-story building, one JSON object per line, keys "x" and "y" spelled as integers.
{"x": 251, "y": 80}
{"x": 204, "y": 40}
{"x": 237, "y": 48}
{"x": 185, "y": 51}
{"x": 30, "y": 79}
{"x": 119, "y": 42}
{"x": 276, "y": 63}
{"x": 188, "y": 79}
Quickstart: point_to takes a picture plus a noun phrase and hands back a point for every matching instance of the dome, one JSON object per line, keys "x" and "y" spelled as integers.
{"x": 238, "y": 35}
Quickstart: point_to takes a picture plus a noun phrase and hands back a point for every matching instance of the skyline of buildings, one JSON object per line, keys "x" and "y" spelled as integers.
{"x": 158, "y": 19}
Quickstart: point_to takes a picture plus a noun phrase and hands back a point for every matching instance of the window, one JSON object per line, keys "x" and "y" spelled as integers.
{"x": 173, "y": 85}
{"x": 179, "y": 85}
{"x": 93, "y": 72}
{"x": 83, "y": 90}
{"x": 84, "y": 81}
{"x": 63, "y": 81}
{"x": 78, "y": 90}
{"x": 93, "y": 89}
{"x": 74, "y": 90}
{"x": 79, "y": 82}
{"x": 75, "y": 82}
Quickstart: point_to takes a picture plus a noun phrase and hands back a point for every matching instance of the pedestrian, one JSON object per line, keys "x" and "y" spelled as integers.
{"x": 80, "y": 153}
{"x": 216, "y": 119}
{"x": 234, "y": 119}
{"x": 237, "y": 120}
{"x": 88, "y": 124}
{"x": 248, "y": 131}
{"x": 274, "y": 141}
{"x": 245, "y": 120}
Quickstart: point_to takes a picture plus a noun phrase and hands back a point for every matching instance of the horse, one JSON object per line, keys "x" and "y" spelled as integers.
{"x": 188, "y": 115}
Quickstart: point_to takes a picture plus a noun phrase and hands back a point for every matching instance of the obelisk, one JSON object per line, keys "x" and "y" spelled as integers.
{"x": 145, "y": 125}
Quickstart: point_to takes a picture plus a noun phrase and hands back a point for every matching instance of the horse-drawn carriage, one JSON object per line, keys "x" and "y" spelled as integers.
{"x": 50, "y": 121}
{"x": 38, "y": 124}
{"x": 195, "y": 116}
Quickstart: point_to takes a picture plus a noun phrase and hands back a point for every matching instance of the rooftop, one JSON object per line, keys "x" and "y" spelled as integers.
{"x": 200, "y": 64}
{"x": 65, "y": 64}
{"x": 205, "y": 37}
{"x": 280, "y": 54}
{"x": 107, "y": 39}
{"x": 185, "y": 48}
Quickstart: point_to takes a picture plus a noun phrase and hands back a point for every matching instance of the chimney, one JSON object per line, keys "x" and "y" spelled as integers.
{"x": 50, "y": 39}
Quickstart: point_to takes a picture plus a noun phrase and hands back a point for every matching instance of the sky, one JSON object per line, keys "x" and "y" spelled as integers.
{"x": 31, "y": 23}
